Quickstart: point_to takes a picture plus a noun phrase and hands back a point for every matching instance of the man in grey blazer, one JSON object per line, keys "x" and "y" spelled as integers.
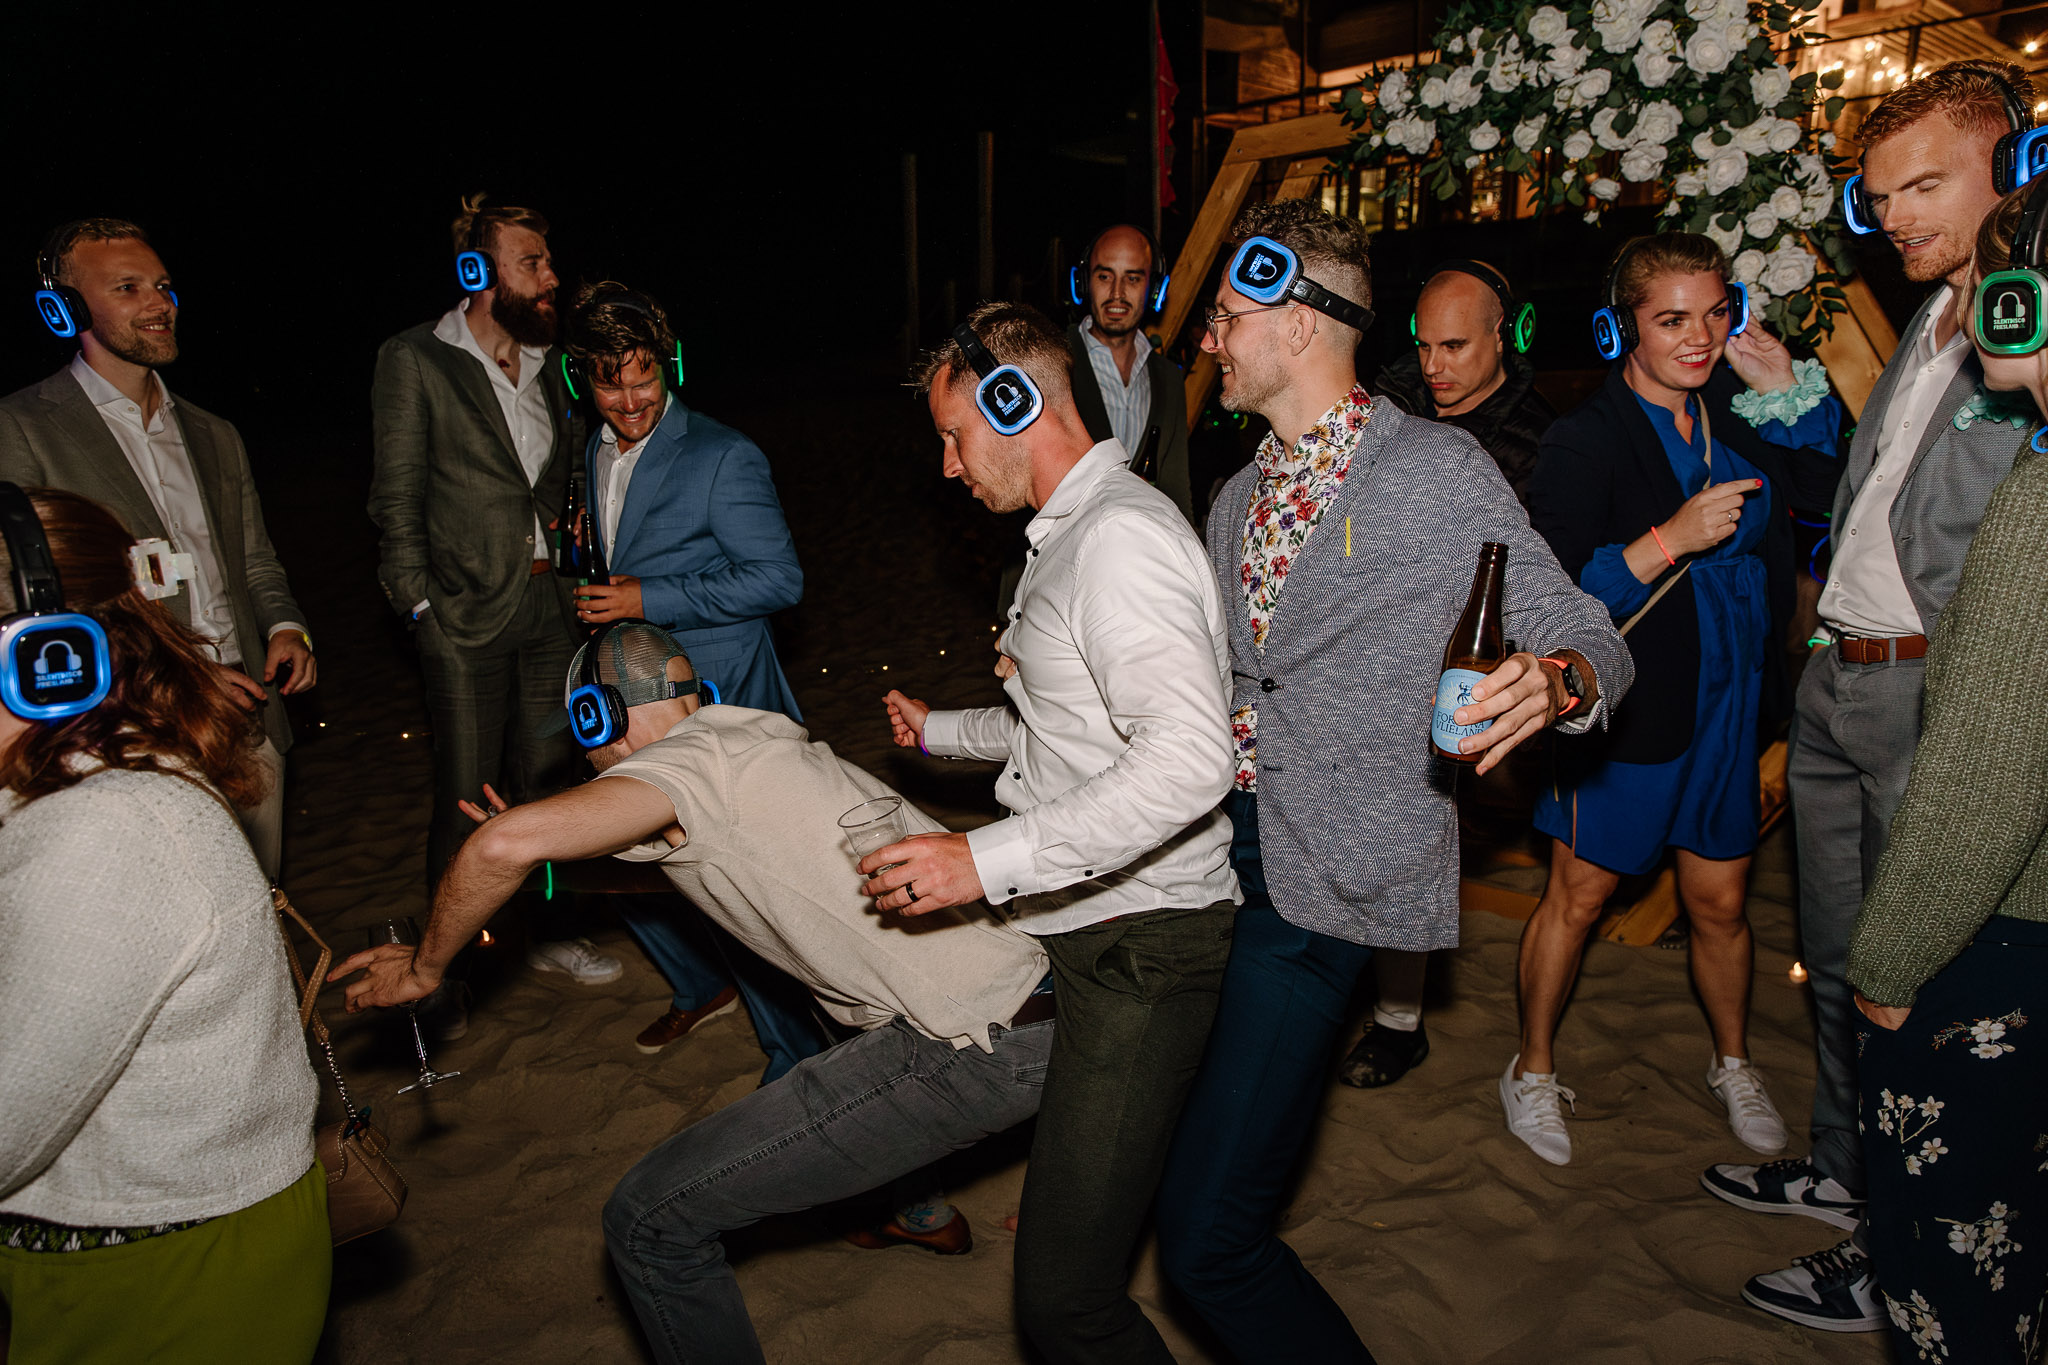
{"x": 474, "y": 441}
{"x": 106, "y": 426}
{"x": 1930, "y": 448}
{"x": 1122, "y": 386}
{"x": 1344, "y": 553}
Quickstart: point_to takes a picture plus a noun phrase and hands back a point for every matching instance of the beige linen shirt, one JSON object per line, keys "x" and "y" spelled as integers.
{"x": 763, "y": 855}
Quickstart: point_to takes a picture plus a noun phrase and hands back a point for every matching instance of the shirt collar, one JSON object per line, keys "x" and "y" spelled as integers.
{"x": 1944, "y": 304}
{"x": 453, "y": 328}
{"x": 609, "y": 437}
{"x": 1090, "y": 469}
{"x": 1332, "y": 438}
{"x": 1096, "y": 343}
{"x": 100, "y": 393}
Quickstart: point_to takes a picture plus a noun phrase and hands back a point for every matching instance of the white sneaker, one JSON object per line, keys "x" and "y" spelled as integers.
{"x": 1533, "y": 1112}
{"x": 1833, "y": 1290}
{"x": 1751, "y": 1114}
{"x": 577, "y": 958}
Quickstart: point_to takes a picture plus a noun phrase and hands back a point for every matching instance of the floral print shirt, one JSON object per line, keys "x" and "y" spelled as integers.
{"x": 1293, "y": 488}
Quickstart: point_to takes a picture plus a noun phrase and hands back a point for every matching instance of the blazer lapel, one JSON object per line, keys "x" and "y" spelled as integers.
{"x": 1953, "y": 397}
{"x": 214, "y": 495}
{"x": 650, "y": 472}
{"x": 99, "y": 469}
{"x": 475, "y": 385}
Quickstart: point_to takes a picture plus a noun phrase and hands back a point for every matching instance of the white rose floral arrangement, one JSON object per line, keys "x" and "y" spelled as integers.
{"x": 1687, "y": 93}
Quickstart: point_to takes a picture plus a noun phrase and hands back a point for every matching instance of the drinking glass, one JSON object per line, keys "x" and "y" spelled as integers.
{"x": 874, "y": 824}
{"x": 406, "y": 933}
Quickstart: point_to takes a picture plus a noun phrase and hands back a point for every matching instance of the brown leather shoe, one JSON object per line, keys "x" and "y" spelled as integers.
{"x": 676, "y": 1023}
{"x": 954, "y": 1239}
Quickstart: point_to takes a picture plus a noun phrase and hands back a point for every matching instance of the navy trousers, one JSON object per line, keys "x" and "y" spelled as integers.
{"x": 1286, "y": 998}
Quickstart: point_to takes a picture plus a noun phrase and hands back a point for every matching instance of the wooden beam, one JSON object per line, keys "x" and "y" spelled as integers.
{"x": 1864, "y": 339}
{"x": 1289, "y": 137}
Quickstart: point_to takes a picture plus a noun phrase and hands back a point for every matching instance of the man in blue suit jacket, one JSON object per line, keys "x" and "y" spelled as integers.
{"x": 692, "y": 532}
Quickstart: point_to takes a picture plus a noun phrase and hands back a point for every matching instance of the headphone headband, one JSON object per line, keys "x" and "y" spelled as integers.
{"x": 54, "y": 664}
{"x": 37, "y": 588}
{"x": 1517, "y": 320}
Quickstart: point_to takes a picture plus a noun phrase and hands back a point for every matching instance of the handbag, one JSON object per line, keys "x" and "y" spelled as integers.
{"x": 365, "y": 1192}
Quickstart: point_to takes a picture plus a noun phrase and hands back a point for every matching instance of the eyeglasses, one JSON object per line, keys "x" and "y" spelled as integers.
{"x": 1217, "y": 317}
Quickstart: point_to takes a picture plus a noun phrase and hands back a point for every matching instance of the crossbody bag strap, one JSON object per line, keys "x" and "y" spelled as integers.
{"x": 1668, "y": 584}
{"x": 309, "y": 990}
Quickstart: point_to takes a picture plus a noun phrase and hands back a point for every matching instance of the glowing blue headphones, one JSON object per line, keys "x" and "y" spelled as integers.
{"x": 597, "y": 710}
{"x": 1004, "y": 393}
{"x": 2019, "y": 156}
{"x": 1155, "y": 292}
{"x": 1265, "y": 271}
{"x": 475, "y": 271}
{"x": 61, "y": 307}
{"x": 53, "y": 663}
{"x": 621, "y": 297}
{"x": 1614, "y": 327}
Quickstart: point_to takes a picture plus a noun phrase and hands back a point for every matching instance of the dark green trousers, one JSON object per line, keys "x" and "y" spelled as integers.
{"x": 1134, "y": 998}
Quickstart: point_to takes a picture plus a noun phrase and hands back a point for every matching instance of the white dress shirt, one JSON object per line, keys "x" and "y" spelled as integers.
{"x": 1129, "y": 405}
{"x": 156, "y": 452}
{"x": 1866, "y": 592}
{"x": 1118, "y": 749}
{"x": 614, "y": 474}
{"x": 524, "y": 404}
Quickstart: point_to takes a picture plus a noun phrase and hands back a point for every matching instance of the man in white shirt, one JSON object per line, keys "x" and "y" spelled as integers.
{"x": 1115, "y": 750}
{"x": 740, "y": 808}
{"x": 474, "y": 442}
{"x": 1927, "y": 453}
{"x": 106, "y": 426}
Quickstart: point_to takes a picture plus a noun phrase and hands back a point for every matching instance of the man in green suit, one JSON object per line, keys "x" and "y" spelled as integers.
{"x": 474, "y": 441}
{"x": 106, "y": 426}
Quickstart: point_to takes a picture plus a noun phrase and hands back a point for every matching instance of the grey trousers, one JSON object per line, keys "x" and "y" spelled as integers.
{"x": 263, "y": 823}
{"x": 849, "y": 1120}
{"x": 486, "y": 703}
{"x": 1852, "y": 746}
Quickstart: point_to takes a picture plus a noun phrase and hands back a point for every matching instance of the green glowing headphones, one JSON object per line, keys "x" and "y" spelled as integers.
{"x": 618, "y": 296}
{"x": 2011, "y": 307}
{"x": 1517, "y": 320}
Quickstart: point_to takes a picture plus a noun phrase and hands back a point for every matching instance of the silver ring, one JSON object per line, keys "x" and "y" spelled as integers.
{"x": 911, "y": 887}
{"x": 1731, "y": 516}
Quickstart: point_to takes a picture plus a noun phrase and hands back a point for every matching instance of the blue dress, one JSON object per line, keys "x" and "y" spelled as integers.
{"x": 1622, "y": 816}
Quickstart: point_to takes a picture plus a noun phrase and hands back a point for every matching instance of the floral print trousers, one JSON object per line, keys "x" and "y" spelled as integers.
{"x": 1955, "y": 1139}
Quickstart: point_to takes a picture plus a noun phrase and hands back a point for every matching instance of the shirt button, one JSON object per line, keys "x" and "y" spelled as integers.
{"x": 1018, "y": 776}
{"x": 1013, "y": 890}
{"x": 1852, "y": 530}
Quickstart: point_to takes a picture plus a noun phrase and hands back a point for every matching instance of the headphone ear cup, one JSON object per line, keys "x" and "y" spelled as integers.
{"x": 1074, "y": 287}
{"x": 572, "y": 375}
{"x": 677, "y": 359}
{"x": 1857, "y": 211}
{"x": 1524, "y": 331}
{"x": 1159, "y": 294}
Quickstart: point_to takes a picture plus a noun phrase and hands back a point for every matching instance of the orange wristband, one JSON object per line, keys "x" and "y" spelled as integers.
{"x": 1660, "y": 545}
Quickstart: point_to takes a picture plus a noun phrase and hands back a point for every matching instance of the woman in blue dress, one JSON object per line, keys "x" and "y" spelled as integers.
{"x": 1675, "y": 478}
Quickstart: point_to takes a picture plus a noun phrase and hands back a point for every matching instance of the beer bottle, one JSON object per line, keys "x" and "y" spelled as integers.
{"x": 1475, "y": 649}
{"x": 1146, "y": 466}
{"x": 576, "y": 552}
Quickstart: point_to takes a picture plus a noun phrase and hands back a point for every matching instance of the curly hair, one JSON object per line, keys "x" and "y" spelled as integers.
{"x": 610, "y": 323}
{"x": 1967, "y": 91}
{"x": 65, "y": 237}
{"x": 166, "y": 712}
{"x": 1333, "y": 251}
{"x": 494, "y": 218}
{"x": 1994, "y": 251}
{"x": 1014, "y": 334}
{"x": 1644, "y": 259}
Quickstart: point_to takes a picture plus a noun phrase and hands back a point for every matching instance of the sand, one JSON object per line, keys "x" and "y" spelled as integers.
{"x": 1442, "y": 1236}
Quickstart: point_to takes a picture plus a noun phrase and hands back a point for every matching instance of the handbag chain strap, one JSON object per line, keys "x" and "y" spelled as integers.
{"x": 309, "y": 990}
{"x": 1668, "y": 584}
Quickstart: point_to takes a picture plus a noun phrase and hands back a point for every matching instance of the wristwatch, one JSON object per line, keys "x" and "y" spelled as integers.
{"x": 1574, "y": 684}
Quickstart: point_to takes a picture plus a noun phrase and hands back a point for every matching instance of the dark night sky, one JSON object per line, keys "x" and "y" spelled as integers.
{"x": 298, "y": 166}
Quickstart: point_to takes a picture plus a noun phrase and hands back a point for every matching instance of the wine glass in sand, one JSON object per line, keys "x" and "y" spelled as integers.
{"x": 874, "y": 824}
{"x": 406, "y": 933}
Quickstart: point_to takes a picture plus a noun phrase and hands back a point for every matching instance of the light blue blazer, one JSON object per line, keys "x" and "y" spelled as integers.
{"x": 702, "y": 530}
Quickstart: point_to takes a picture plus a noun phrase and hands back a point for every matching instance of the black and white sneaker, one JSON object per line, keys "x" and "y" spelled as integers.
{"x": 1832, "y": 1290}
{"x": 1789, "y": 1186}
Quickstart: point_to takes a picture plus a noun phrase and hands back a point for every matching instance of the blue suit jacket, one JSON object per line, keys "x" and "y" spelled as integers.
{"x": 702, "y": 530}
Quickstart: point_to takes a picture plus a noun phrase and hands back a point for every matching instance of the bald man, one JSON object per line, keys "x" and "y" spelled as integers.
{"x": 1465, "y": 372}
{"x": 1122, "y": 386}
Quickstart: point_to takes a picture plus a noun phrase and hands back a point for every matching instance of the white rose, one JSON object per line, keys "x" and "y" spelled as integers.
{"x": 1435, "y": 91}
{"x": 1761, "y": 222}
{"x": 1827, "y": 142}
{"x": 1755, "y": 138}
{"x": 1726, "y": 169}
{"x": 1528, "y": 130}
{"x": 1728, "y": 239}
{"x": 1394, "y": 91}
{"x": 1703, "y": 145}
{"x": 1620, "y": 22}
{"x": 1548, "y": 26}
{"x": 1713, "y": 11}
{"x": 1770, "y": 85}
{"x": 1565, "y": 61}
{"x": 1785, "y": 201}
{"x": 1463, "y": 89}
{"x": 1642, "y": 162}
{"x": 1790, "y": 269}
{"x": 1604, "y": 189}
{"x": 1657, "y": 124}
{"x": 1593, "y": 86}
{"x": 1578, "y": 146}
{"x": 1506, "y": 76}
{"x": 1654, "y": 67}
{"x": 1749, "y": 266}
{"x": 1473, "y": 160}
{"x": 1603, "y": 132}
{"x": 1455, "y": 45}
{"x": 1412, "y": 133}
{"x": 1688, "y": 185}
{"x": 1784, "y": 135}
{"x": 1672, "y": 208}
{"x": 1593, "y": 216}
{"x": 1707, "y": 52}
{"x": 1474, "y": 36}
{"x": 1737, "y": 33}
{"x": 1484, "y": 138}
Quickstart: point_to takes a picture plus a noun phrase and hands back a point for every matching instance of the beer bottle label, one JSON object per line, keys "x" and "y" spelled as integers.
{"x": 1453, "y": 690}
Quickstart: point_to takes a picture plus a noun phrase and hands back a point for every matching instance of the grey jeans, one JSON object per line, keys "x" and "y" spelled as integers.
{"x": 1852, "y": 747}
{"x": 844, "y": 1122}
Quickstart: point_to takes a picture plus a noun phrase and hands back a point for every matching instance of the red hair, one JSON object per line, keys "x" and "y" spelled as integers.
{"x": 167, "y": 710}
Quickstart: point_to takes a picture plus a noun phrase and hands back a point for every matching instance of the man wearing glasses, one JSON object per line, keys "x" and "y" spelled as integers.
{"x": 1368, "y": 522}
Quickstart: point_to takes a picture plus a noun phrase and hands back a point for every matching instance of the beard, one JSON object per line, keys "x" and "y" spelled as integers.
{"x": 147, "y": 349}
{"x": 1107, "y": 329}
{"x": 528, "y": 319}
{"x": 1249, "y": 392}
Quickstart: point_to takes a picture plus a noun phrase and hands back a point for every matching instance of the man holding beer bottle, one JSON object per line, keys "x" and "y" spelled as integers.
{"x": 1367, "y": 523}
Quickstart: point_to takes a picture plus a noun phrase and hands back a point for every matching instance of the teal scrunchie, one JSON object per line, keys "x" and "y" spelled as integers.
{"x": 1809, "y": 386}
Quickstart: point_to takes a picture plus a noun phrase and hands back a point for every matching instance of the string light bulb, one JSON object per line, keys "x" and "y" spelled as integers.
{"x": 1798, "y": 973}
{"x": 2033, "y": 45}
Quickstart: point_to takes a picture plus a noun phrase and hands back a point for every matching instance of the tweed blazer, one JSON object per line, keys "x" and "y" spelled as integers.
{"x": 1169, "y": 414}
{"x": 1356, "y": 822}
{"x": 1960, "y": 460}
{"x": 51, "y": 436}
{"x": 448, "y": 492}
{"x": 702, "y": 529}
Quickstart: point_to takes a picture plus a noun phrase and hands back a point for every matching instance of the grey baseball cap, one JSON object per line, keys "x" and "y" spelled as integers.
{"x": 631, "y": 656}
